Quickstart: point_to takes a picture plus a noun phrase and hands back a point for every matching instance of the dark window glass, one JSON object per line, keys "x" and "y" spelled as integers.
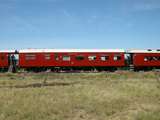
{"x": 79, "y": 58}
{"x": 117, "y": 57}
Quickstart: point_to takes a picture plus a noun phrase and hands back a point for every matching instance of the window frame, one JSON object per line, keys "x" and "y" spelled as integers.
{"x": 151, "y": 58}
{"x": 117, "y": 56}
{"x": 47, "y": 56}
{"x": 81, "y": 57}
{"x": 104, "y": 56}
{"x": 66, "y": 56}
{"x": 56, "y": 57}
{"x": 30, "y": 56}
{"x": 92, "y": 57}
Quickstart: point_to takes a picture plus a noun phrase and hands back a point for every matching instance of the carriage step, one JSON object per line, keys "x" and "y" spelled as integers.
{"x": 131, "y": 67}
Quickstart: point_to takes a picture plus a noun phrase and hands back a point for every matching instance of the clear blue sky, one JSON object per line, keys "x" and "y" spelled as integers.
{"x": 79, "y": 24}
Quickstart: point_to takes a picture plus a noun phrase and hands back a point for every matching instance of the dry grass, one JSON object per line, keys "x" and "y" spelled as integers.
{"x": 80, "y": 96}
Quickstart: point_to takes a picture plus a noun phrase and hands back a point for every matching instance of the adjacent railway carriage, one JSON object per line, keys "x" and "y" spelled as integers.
{"x": 71, "y": 58}
{"x": 145, "y": 59}
{"x": 5, "y": 58}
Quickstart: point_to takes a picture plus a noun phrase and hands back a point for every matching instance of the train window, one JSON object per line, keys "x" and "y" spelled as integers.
{"x": 117, "y": 57}
{"x": 30, "y": 56}
{"x": 145, "y": 59}
{"x": 104, "y": 58}
{"x": 66, "y": 58}
{"x": 79, "y": 58}
{"x": 47, "y": 56}
{"x": 56, "y": 57}
{"x": 151, "y": 58}
{"x": 155, "y": 58}
{"x": 91, "y": 58}
{"x": 2, "y": 57}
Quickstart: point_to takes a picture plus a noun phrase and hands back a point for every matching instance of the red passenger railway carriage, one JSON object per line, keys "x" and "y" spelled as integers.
{"x": 71, "y": 58}
{"x": 79, "y": 59}
{"x": 4, "y": 58}
{"x": 145, "y": 58}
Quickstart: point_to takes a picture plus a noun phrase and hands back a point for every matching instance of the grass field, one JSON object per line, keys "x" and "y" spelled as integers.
{"x": 80, "y": 96}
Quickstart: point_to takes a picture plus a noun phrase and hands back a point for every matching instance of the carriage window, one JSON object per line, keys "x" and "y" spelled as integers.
{"x": 155, "y": 58}
{"x": 145, "y": 59}
{"x": 56, "y": 57}
{"x": 79, "y": 58}
{"x": 2, "y": 57}
{"x": 66, "y": 58}
{"x": 117, "y": 57}
{"x": 30, "y": 56}
{"x": 104, "y": 58}
{"x": 47, "y": 56}
{"x": 91, "y": 58}
{"x": 151, "y": 58}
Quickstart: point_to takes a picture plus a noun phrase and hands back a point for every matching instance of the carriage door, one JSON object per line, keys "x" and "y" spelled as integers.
{"x": 129, "y": 59}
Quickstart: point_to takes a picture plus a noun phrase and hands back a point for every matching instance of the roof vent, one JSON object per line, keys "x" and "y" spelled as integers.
{"x": 149, "y": 50}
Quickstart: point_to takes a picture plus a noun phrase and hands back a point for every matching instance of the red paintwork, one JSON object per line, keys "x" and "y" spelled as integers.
{"x": 41, "y": 62}
{"x": 138, "y": 60}
{"x": 3, "y": 60}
